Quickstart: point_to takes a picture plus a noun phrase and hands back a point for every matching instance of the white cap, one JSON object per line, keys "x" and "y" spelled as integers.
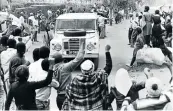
{"x": 154, "y": 87}
{"x": 123, "y": 82}
{"x": 87, "y": 66}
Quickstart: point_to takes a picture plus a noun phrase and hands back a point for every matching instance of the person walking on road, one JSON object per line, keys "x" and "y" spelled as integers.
{"x": 135, "y": 25}
{"x": 63, "y": 72}
{"x": 139, "y": 44}
{"x": 147, "y": 25}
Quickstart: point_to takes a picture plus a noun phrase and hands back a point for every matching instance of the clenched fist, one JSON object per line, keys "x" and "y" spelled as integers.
{"x": 107, "y": 48}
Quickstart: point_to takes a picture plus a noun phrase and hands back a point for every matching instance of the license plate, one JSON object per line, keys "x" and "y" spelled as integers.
{"x": 73, "y": 52}
{"x": 74, "y": 39}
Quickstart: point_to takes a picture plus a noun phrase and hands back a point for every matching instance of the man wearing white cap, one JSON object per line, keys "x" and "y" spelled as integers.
{"x": 124, "y": 87}
{"x": 88, "y": 90}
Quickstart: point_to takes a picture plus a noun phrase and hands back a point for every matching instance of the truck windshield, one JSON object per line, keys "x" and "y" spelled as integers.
{"x": 64, "y": 24}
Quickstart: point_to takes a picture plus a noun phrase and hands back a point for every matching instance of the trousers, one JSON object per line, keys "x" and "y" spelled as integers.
{"x": 60, "y": 100}
{"x": 147, "y": 39}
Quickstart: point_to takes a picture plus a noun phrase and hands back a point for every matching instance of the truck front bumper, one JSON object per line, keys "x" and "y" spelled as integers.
{"x": 89, "y": 56}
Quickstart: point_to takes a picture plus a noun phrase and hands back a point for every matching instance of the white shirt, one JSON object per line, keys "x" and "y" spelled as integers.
{"x": 162, "y": 20}
{"x": 38, "y": 74}
{"x": 135, "y": 23}
{"x": 22, "y": 19}
{"x": 49, "y": 12}
{"x": 140, "y": 22}
{"x": 31, "y": 18}
{"x": 35, "y": 22}
{"x": 101, "y": 21}
{"x": 6, "y": 56}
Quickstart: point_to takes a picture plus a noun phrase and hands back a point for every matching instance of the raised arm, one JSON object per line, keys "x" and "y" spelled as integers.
{"x": 138, "y": 86}
{"x": 70, "y": 66}
{"x": 43, "y": 83}
{"x": 144, "y": 103}
{"x": 108, "y": 66}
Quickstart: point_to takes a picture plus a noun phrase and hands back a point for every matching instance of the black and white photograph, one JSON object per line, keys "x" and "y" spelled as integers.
{"x": 86, "y": 55}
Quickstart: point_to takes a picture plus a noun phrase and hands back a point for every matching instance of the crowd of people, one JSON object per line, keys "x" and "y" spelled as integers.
{"x": 28, "y": 85}
{"x": 153, "y": 30}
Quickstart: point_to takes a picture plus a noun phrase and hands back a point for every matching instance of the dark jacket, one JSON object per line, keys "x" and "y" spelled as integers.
{"x": 14, "y": 63}
{"x": 156, "y": 19}
{"x": 133, "y": 93}
{"x": 24, "y": 93}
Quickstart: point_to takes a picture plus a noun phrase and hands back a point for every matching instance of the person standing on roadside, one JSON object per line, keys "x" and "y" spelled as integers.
{"x": 147, "y": 26}
{"x": 3, "y": 43}
{"x": 88, "y": 90}
{"x": 102, "y": 27}
{"x": 31, "y": 23}
{"x": 38, "y": 72}
{"x": 23, "y": 91}
{"x": 63, "y": 72}
{"x": 6, "y": 57}
{"x": 22, "y": 19}
{"x": 17, "y": 60}
{"x": 3, "y": 47}
{"x": 35, "y": 31}
{"x": 130, "y": 28}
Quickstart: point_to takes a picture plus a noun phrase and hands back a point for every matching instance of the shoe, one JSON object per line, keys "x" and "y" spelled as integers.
{"x": 128, "y": 44}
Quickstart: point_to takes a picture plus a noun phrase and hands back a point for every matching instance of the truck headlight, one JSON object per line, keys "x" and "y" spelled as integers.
{"x": 90, "y": 47}
{"x": 56, "y": 47}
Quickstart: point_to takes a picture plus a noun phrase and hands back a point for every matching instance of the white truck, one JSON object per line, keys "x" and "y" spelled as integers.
{"x": 69, "y": 29}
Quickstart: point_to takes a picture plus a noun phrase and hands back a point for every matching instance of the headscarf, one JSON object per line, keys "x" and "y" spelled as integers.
{"x": 123, "y": 82}
{"x": 87, "y": 67}
{"x": 154, "y": 87}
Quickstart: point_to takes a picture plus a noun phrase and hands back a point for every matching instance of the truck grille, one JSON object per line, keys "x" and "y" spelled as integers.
{"x": 74, "y": 44}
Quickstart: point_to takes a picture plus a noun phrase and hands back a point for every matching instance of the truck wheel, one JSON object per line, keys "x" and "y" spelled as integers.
{"x": 74, "y": 33}
{"x": 96, "y": 63}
